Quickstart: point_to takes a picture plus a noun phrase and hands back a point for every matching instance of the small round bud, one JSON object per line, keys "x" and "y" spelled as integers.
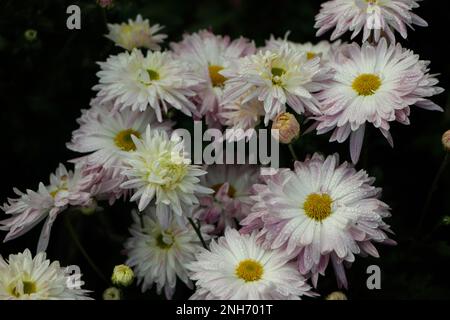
{"x": 336, "y": 295}
{"x": 446, "y": 221}
{"x": 287, "y": 126}
{"x": 122, "y": 275}
{"x": 90, "y": 209}
{"x": 112, "y": 293}
{"x": 105, "y": 3}
{"x": 446, "y": 140}
{"x": 30, "y": 35}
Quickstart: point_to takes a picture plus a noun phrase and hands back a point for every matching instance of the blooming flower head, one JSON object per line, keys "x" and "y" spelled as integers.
{"x": 322, "y": 211}
{"x": 155, "y": 80}
{"x": 158, "y": 253}
{"x": 65, "y": 188}
{"x": 276, "y": 77}
{"x": 159, "y": 168}
{"x": 322, "y": 49}
{"x": 238, "y": 268}
{"x": 136, "y": 34}
{"x": 106, "y": 135}
{"x": 23, "y": 277}
{"x": 231, "y": 201}
{"x": 208, "y": 54}
{"x": 373, "y": 17}
{"x": 377, "y": 85}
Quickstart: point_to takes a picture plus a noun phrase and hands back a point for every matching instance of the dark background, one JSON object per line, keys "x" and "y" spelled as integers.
{"x": 45, "y": 83}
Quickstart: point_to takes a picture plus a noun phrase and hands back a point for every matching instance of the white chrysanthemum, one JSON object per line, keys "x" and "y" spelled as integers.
{"x": 65, "y": 188}
{"x": 322, "y": 49}
{"x": 136, "y": 34}
{"x": 208, "y": 54}
{"x": 158, "y": 253}
{"x": 106, "y": 135}
{"x": 373, "y": 17}
{"x": 23, "y": 277}
{"x": 238, "y": 268}
{"x": 276, "y": 78}
{"x": 377, "y": 85}
{"x": 322, "y": 211}
{"x": 159, "y": 168}
{"x": 231, "y": 201}
{"x": 156, "y": 80}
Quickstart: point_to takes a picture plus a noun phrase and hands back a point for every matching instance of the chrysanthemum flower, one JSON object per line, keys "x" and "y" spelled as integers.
{"x": 373, "y": 17}
{"x": 23, "y": 277}
{"x": 208, "y": 54}
{"x": 159, "y": 168}
{"x": 65, "y": 188}
{"x": 158, "y": 253}
{"x": 106, "y": 135}
{"x": 322, "y": 49}
{"x": 136, "y": 34}
{"x": 231, "y": 202}
{"x": 156, "y": 80}
{"x": 377, "y": 85}
{"x": 238, "y": 268}
{"x": 276, "y": 78}
{"x": 322, "y": 211}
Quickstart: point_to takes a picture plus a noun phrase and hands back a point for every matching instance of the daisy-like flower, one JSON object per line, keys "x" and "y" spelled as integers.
{"x": 159, "y": 253}
{"x": 231, "y": 201}
{"x": 238, "y": 268}
{"x": 320, "y": 212}
{"x": 239, "y": 116}
{"x": 322, "y": 49}
{"x": 155, "y": 80}
{"x": 377, "y": 85}
{"x": 23, "y": 277}
{"x": 65, "y": 188}
{"x": 106, "y": 135}
{"x": 373, "y": 17}
{"x": 159, "y": 168}
{"x": 276, "y": 78}
{"x": 136, "y": 34}
{"x": 208, "y": 54}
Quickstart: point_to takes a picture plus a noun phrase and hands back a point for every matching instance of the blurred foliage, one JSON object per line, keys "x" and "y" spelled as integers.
{"x": 46, "y": 81}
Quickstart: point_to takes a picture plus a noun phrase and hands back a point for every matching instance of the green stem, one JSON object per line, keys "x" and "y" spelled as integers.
{"x": 431, "y": 192}
{"x": 198, "y": 232}
{"x": 291, "y": 149}
{"x": 80, "y": 247}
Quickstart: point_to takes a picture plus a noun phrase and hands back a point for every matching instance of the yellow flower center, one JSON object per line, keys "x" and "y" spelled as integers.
{"x": 231, "y": 189}
{"x": 165, "y": 240}
{"x": 26, "y": 288}
{"x": 366, "y": 84}
{"x": 174, "y": 174}
{"x": 310, "y": 55}
{"x": 216, "y": 78}
{"x": 318, "y": 206}
{"x": 123, "y": 139}
{"x": 276, "y": 75}
{"x": 153, "y": 75}
{"x": 249, "y": 270}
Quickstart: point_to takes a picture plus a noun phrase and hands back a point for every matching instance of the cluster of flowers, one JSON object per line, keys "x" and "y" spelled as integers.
{"x": 235, "y": 233}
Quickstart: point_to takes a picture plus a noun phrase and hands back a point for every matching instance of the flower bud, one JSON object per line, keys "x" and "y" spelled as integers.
{"x": 446, "y": 140}
{"x": 287, "y": 126}
{"x": 336, "y": 295}
{"x": 105, "y": 3}
{"x": 446, "y": 221}
{"x": 30, "y": 35}
{"x": 122, "y": 275}
{"x": 112, "y": 293}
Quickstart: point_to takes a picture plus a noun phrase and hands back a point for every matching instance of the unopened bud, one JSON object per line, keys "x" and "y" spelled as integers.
{"x": 30, "y": 35}
{"x": 122, "y": 275}
{"x": 105, "y": 3}
{"x": 287, "y": 126}
{"x": 336, "y": 295}
{"x": 446, "y": 140}
{"x": 112, "y": 293}
{"x": 446, "y": 221}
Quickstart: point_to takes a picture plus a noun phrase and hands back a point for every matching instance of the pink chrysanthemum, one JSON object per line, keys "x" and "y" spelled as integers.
{"x": 320, "y": 212}
{"x": 231, "y": 202}
{"x": 373, "y": 84}
{"x": 373, "y": 17}
{"x": 65, "y": 188}
{"x": 208, "y": 54}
